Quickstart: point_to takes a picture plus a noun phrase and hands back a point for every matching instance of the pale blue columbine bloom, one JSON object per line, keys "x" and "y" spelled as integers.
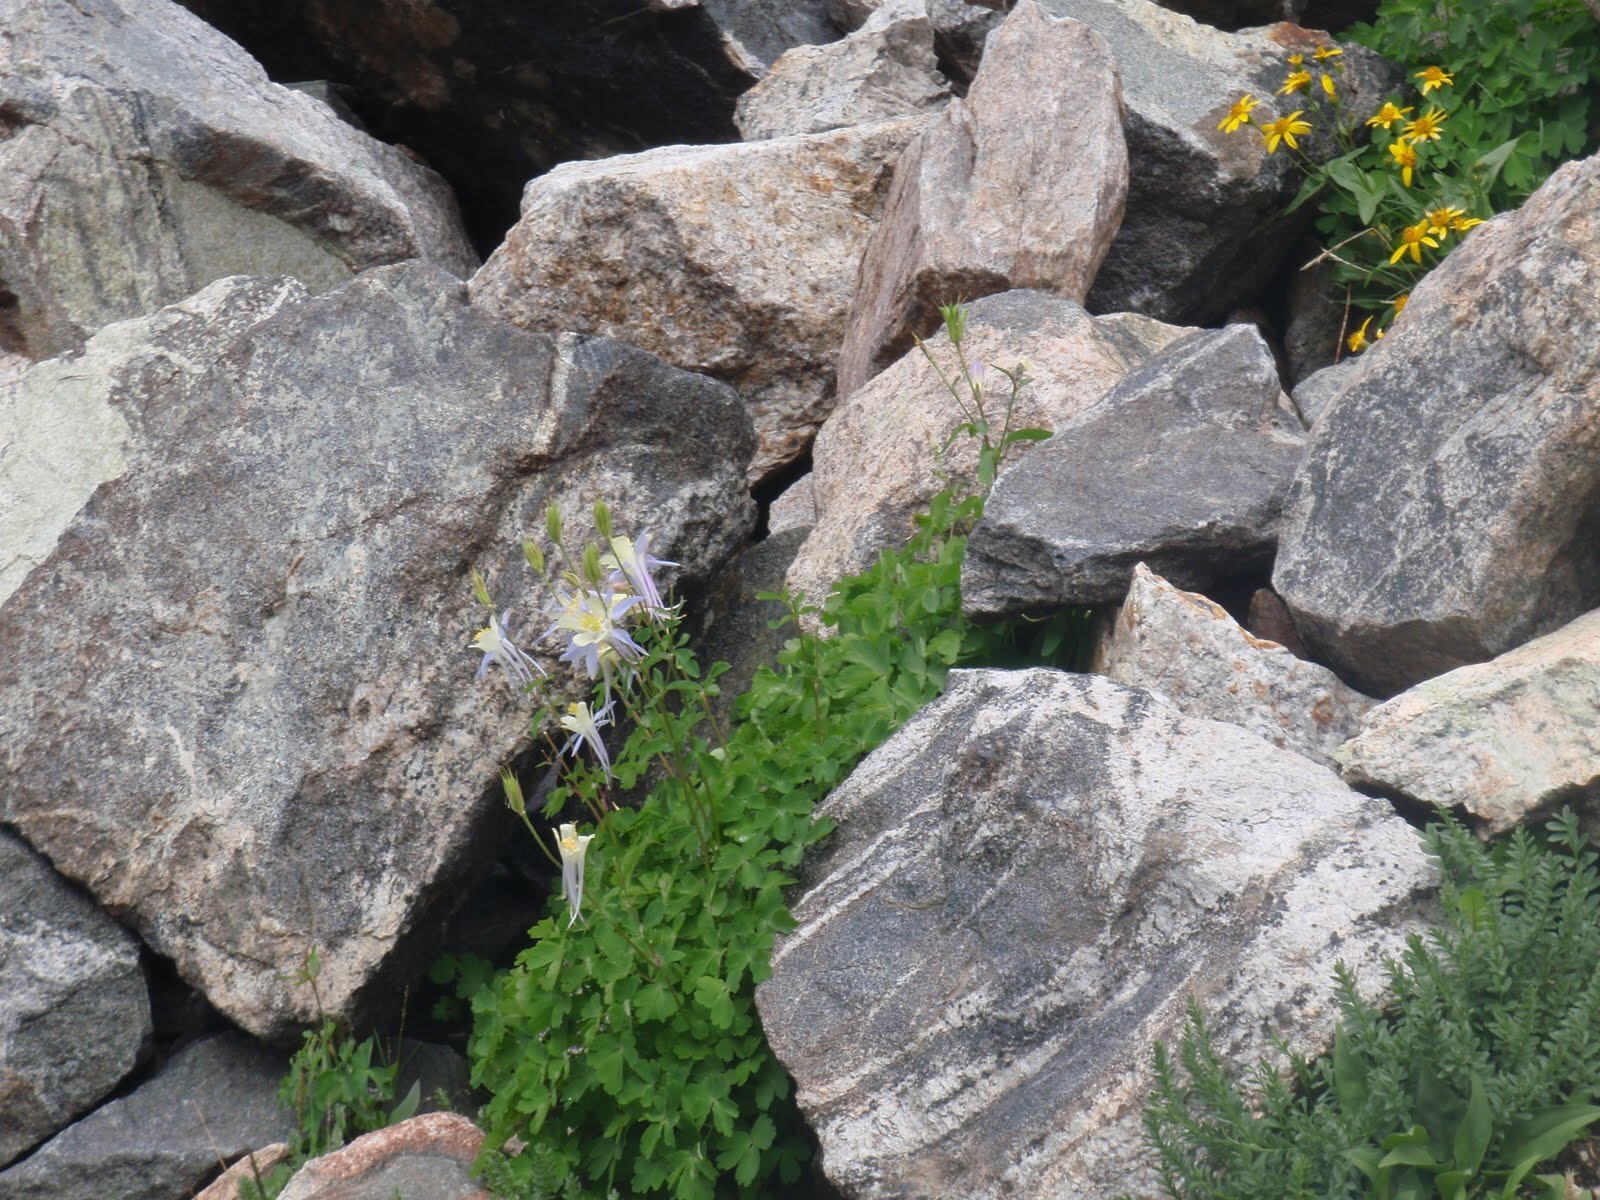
{"x": 591, "y": 623}
{"x": 583, "y": 723}
{"x": 495, "y": 641}
{"x": 573, "y": 849}
{"x": 630, "y": 563}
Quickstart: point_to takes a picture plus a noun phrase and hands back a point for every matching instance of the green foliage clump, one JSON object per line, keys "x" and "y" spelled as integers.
{"x": 623, "y": 1050}
{"x": 1485, "y": 1063}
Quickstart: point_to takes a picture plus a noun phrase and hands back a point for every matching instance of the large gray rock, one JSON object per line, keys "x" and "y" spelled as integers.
{"x": 1191, "y": 651}
{"x": 1184, "y": 466}
{"x": 1506, "y": 739}
{"x": 74, "y": 1008}
{"x": 1449, "y": 505}
{"x": 886, "y": 69}
{"x": 147, "y": 155}
{"x": 274, "y": 589}
{"x": 877, "y": 461}
{"x": 1027, "y": 884}
{"x": 215, "y": 1100}
{"x": 1205, "y": 228}
{"x": 1019, "y": 185}
{"x": 960, "y": 28}
{"x": 738, "y": 261}
{"x": 426, "y": 1158}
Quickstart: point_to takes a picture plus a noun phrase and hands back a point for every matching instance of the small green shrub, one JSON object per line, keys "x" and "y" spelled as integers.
{"x": 1485, "y": 1063}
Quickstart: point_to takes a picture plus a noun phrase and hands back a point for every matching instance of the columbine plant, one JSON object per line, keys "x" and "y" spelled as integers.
{"x": 1396, "y": 197}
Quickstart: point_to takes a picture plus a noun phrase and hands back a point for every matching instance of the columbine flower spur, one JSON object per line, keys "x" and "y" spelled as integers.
{"x": 495, "y": 641}
{"x": 573, "y": 850}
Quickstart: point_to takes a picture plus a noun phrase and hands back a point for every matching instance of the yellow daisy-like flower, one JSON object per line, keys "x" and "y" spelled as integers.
{"x": 1399, "y": 303}
{"x": 1405, "y": 154}
{"x": 1387, "y": 115}
{"x": 1433, "y": 77}
{"x": 1426, "y": 127}
{"x": 1326, "y": 52}
{"x": 1441, "y": 220}
{"x": 1327, "y": 84}
{"x": 1297, "y": 60}
{"x": 1295, "y": 81}
{"x": 1462, "y": 224}
{"x": 1285, "y": 129}
{"x": 1357, "y": 341}
{"x": 1239, "y": 114}
{"x": 1412, "y": 239}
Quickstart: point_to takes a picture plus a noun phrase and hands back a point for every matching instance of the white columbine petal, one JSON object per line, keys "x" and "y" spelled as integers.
{"x": 573, "y": 849}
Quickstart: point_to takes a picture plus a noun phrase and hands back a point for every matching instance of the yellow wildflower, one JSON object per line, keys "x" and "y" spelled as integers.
{"x": 1462, "y": 224}
{"x": 1433, "y": 77}
{"x": 1387, "y": 115}
{"x": 1441, "y": 220}
{"x": 1405, "y": 155}
{"x": 1295, "y": 81}
{"x": 1297, "y": 60}
{"x": 1357, "y": 341}
{"x": 1413, "y": 238}
{"x": 1285, "y": 129}
{"x": 1399, "y": 303}
{"x": 1326, "y": 52}
{"x": 1239, "y": 114}
{"x": 1426, "y": 127}
{"x": 1327, "y": 84}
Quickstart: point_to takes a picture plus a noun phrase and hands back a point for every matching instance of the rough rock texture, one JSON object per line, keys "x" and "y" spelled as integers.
{"x": 215, "y": 1100}
{"x": 1205, "y": 227}
{"x": 1183, "y": 466}
{"x": 426, "y": 1158}
{"x": 1506, "y": 739}
{"x": 1315, "y": 394}
{"x": 495, "y": 92}
{"x": 274, "y": 589}
{"x": 1449, "y": 505}
{"x": 254, "y": 1164}
{"x": 1027, "y": 883}
{"x": 960, "y": 28}
{"x": 74, "y": 1008}
{"x": 146, "y": 155}
{"x": 884, "y": 70}
{"x": 1020, "y": 185}
{"x": 738, "y": 261}
{"x": 1190, "y": 650}
{"x": 794, "y": 508}
{"x": 876, "y": 462}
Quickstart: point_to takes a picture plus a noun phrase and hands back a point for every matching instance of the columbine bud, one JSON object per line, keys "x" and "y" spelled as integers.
{"x": 513, "y": 789}
{"x": 591, "y": 564}
{"x": 602, "y": 519}
{"x": 552, "y": 524}
{"x": 480, "y": 589}
{"x": 534, "y": 555}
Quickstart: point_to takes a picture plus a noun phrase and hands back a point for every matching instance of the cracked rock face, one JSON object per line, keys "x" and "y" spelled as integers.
{"x": 236, "y": 704}
{"x": 145, "y": 155}
{"x": 1449, "y": 506}
{"x": 74, "y": 1008}
{"x": 1027, "y": 883}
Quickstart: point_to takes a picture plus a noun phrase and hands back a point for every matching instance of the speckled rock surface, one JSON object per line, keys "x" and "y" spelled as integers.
{"x": 738, "y": 261}
{"x": 426, "y": 1158}
{"x": 1507, "y": 739}
{"x": 274, "y": 588}
{"x": 74, "y": 1007}
{"x": 1449, "y": 505}
{"x": 147, "y": 155}
{"x": 1019, "y": 185}
{"x": 1027, "y": 883}
{"x": 1190, "y": 650}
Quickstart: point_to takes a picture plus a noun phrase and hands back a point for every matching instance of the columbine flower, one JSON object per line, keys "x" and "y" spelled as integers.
{"x": 590, "y": 622}
{"x": 1239, "y": 114}
{"x": 495, "y": 642}
{"x": 583, "y": 723}
{"x": 1406, "y": 156}
{"x": 1433, "y": 77}
{"x": 1326, "y": 52}
{"x": 1442, "y": 220}
{"x": 1413, "y": 238}
{"x": 1426, "y": 127}
{"x": 631, "y": 563}
{"x": 1357, "y": 341}
{"x": 1297, "y": 79}
{"x": 573, "y": 849}
{"x": 1285, "y": 129}
{"x": 1387, "y": 115}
